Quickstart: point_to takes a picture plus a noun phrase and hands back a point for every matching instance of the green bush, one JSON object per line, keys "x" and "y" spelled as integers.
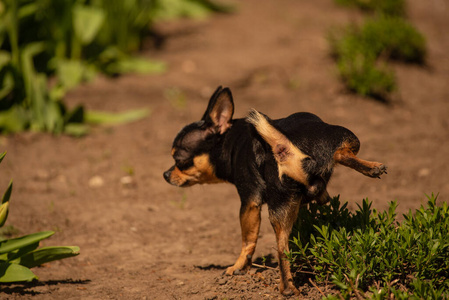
{"x": 370, "y": 253}
{"x": 361, "y": 74}
{"x": 386, "y": 36}
{"x": 361, "y": 53}
{"x": 393, "y": 38}
{"x": 18, "y": 255}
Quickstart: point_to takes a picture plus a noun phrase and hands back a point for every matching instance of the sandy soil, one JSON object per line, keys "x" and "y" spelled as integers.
{"x": 141, "y": 238}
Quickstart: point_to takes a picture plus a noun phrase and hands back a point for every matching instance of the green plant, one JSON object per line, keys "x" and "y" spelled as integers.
{"x": 71, "y": 41}
{"x": 18, "y": 255}
{"x": 393, "y": 38}
{"x": 361, "y": 54}
{"x": 364, "y": 76}
{"x": 370, "y": 253}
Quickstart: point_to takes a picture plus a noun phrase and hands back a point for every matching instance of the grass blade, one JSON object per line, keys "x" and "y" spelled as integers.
{"x": 100, "y": 117}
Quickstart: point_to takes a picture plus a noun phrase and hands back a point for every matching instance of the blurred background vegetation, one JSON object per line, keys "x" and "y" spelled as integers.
{"x": 362, "y": 52}
{"x": 48, "y": 47}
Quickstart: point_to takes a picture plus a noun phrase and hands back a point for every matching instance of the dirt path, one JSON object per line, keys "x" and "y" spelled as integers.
{"x": 145, "y": 239}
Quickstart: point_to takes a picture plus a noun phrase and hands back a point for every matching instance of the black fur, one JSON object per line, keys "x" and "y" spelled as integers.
{"x": 239, "y": 155}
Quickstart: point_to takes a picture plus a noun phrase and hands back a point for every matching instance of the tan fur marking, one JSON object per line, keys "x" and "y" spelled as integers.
{"x": 250, "y": 224}
{"x": 292, "y": 164}
{"x": 346, "y": 157}
{"x": 206, "y": 172}
{"x": 201, "y": 172}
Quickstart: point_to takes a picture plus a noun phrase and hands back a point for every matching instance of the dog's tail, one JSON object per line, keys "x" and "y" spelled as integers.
{"x": 267, "y": 131}
{"x": 287, "y": 155}
{"x": 289, "y": 158}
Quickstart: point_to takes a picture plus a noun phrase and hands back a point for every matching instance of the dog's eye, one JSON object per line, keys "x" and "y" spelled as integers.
{"x": 183, "y": 165}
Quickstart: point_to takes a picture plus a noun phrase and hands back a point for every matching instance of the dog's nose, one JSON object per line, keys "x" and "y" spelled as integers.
{"x": 167, "y": 174}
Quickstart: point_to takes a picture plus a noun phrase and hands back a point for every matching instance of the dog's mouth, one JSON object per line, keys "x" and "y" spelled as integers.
{"x": 176, "y": 180}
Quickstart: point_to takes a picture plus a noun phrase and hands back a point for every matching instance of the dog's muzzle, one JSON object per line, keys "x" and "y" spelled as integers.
{"x": 167, "y": 174}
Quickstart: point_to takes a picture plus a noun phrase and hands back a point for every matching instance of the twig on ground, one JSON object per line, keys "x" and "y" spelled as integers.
{"x": 262, "y": 266}
{"x": 314, "y": 284}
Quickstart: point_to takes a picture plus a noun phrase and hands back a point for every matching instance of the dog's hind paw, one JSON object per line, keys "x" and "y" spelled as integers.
{"x": 376, "y": 171}
{"x": 290, "y": 291}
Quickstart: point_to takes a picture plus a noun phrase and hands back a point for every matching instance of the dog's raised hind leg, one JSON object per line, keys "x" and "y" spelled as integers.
{"x": 346, "y": 157}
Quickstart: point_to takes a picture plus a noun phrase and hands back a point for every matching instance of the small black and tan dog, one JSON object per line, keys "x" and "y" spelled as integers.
{"x": 282, "y": 163}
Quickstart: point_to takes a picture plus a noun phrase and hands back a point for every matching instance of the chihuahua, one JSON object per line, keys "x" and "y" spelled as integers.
{"x": 283, "y": 163}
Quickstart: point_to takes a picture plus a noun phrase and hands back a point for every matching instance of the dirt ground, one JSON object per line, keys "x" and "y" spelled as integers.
{"x": 141, "y": 238}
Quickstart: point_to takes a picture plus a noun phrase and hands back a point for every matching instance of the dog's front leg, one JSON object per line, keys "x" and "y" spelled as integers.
{"x": 250, "y": 225}
{"x": 282, "y": 219}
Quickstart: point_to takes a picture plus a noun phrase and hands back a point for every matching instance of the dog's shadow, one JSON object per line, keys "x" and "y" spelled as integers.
{"x": 26, "y": 288}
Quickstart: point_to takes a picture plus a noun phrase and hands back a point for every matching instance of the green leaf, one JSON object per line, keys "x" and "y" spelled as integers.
{"x": 47, "y": 254}
{"x": 13, "y": 119}
{"x": 28, "y": 53}
{"x": 70, "y": 73}
{"x": 76, "y": 129}
{"x": 87, "y": 21}
{"x": 10, "y": 256}
{"x": 136, "y": 65}
{"x": 14, "y": 273}
{"x": 4, "y": 209}
{"x": 7, "y": 84}
{"x": 2, "y": 155}
{"x": 99, "y": 117}
{"x": 8, "y": 192}
{"x": 17, "y": 243}
{"x": 5, "y": 58}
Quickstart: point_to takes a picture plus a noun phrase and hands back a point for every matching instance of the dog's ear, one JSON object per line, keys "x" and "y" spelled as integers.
{"x": 220, "y": 110}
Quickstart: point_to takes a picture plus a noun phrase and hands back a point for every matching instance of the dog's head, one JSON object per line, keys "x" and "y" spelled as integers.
{"x": 192, "y": 146}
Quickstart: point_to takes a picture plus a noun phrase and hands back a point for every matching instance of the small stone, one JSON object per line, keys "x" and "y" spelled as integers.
{"x": 153, "y": 208}
{"x": 128, "y": 182}
{"x": 222, "y": 281}
{"x": 96, "y": 182}
{"x": 424, "y": 172}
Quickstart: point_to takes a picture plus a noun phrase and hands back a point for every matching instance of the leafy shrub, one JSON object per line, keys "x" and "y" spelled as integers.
{"x": 370, "y": 253}
{"x": 18, "y": 255}
{"x": 361, "y": 74}
{"x": 393, "y": 38}
{"x": 359, "y": 50}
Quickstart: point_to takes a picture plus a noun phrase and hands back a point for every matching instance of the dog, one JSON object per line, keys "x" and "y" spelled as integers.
{"x": 283, "y": 163}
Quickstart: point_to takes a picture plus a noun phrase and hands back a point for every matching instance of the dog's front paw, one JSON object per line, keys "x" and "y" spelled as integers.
{"x": 235, "y": 271}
